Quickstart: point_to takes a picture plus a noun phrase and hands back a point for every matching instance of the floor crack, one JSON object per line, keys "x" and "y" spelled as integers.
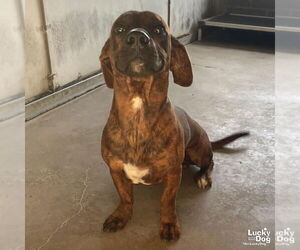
{"x": 67, "y": 220}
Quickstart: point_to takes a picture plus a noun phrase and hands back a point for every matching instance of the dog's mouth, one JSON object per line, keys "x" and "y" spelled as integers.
{"x": 138, "y": 65}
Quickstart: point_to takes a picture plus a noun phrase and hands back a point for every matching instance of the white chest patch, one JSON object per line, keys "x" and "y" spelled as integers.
{"x": 136, "y": 103}
{"x": 135, "y": 174}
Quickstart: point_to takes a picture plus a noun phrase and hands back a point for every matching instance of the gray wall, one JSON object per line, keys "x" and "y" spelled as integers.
{"x": 185, "y": 16}
{"x": 77, "y": 30}
{"x": 260, "y": 4}
{"x": 218, "y": 6}
{"x": 11, "y": 50}
{"x": 37, "y": 61}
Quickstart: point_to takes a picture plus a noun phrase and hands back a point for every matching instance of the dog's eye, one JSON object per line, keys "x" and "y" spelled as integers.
{"x": 158, "y": 30}
{"x": 119, "y": 30}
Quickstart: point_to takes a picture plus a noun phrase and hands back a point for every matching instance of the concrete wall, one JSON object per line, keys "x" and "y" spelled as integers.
{"x": 37, "y": 61}
{"x": 11, "y": 50}
{"x": 78, "y": 29}
{"x": 261, "y": 4}
{"x": 185, "y": 15}
{"x": 220, "y": 6}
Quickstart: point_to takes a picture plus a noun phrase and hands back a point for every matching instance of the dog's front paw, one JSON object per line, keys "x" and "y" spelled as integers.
{"x": 204, "y": 182}
{"x": 169, "y": 231}
{"x": 113, "y": 224}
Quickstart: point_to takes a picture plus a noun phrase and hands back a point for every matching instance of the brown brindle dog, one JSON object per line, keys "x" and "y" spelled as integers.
{"x": 146, "y": 140}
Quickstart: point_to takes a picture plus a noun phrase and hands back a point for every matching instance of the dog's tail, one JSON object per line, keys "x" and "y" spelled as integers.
{"x": 221, "y": 143}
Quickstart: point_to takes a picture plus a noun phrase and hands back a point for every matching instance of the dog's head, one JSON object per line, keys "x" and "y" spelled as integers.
{"x": 140, "y": 45}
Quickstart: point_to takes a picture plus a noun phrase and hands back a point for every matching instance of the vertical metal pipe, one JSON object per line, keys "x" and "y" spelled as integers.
{"x": 45, "y": 29}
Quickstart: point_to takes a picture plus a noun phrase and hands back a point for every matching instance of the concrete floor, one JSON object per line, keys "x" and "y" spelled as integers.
{"x": 70, "y": 192}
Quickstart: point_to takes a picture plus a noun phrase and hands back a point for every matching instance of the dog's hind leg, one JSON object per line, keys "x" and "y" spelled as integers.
{"x": 203, "y": 158}
{"x": 203, "y": 176}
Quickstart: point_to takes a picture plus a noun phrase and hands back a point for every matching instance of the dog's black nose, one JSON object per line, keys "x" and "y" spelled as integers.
{"x": 138, "y": 38}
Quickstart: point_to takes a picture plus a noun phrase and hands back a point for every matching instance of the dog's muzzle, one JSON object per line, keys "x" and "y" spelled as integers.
{"x": 138, "y": 38}
{"x": 138, "y": 55}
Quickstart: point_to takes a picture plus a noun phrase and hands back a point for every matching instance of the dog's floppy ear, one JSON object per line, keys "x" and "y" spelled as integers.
{"x": 106, "y": 65}
{"x": 180, "y": 64}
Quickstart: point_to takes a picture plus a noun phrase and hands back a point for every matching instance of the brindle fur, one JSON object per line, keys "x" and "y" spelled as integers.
{"x": 157, "y": 136}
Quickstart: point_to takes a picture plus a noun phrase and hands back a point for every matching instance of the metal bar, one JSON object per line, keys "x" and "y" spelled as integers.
{"x": 239, "y": 26}
{"x": 236, "y": 14}
{"x": 288, "y": 29}
{"x": 288, "y": 17}
{"x": 50, "y": 70}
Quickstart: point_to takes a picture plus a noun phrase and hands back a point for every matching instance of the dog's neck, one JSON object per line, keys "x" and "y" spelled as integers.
{"x": 134, "y": 93}
{"x": 138, "y": 103}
